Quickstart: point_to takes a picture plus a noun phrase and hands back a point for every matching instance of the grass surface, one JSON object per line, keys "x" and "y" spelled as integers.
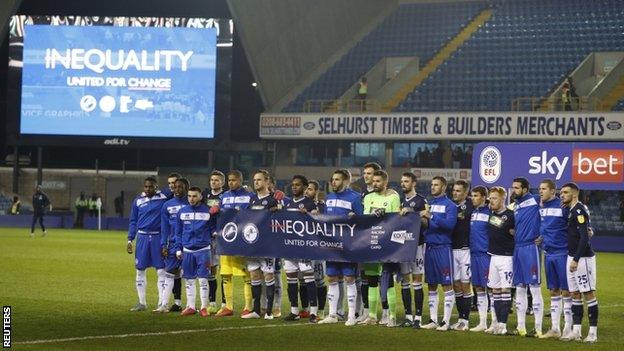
{"x": 80, "y": 284}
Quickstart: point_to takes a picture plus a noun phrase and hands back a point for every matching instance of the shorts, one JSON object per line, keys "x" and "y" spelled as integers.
{"x": 501, "y": 272}
{"x": 148, "y": 252}
{"x": 556, "y": 271}
{"x": 480, "y": 269}
{"x": 266, "y": 265}
{"x": 584, "y": 278}
{"x": 293, "y": 266}
{"x": 172, "y": 263}
{"x": 319, "y": 270}
{"x": 527, "y": 265}
{"x": 372, "y": 269}
{"x": 417, "y": 266}
{"x": 233, "y": 265}
{"x": 461, "y": 265}
{"x": 348, "y": 269}
{"x": 439, "y": 265}
{"x": 196, "y": 264}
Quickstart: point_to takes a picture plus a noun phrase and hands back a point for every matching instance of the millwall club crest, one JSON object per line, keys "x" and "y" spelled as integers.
{"x": 229, "y": 232}
{"x": 250, "y": 233}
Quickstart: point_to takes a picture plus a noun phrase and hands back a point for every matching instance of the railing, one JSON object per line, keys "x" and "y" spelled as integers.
{"x": 581, "y": 103}
{"x": 340, "y": 106}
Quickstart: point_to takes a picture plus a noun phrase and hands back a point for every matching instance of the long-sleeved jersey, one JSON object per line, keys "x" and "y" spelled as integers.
{"x": 527, "y": 219}
{"x": 443, "y": 220}
{"x": 343, "y": 202}
{"x": 194, "y": 227}
{"x": 554, "y": 227}
{"x": 578, "y": 237}
{"x": 479, "y": 238}
{"x": 461, "y": 232}
{"x": 298, "y": 204}
{"x": 236, "y": 199}
{"x": 169, "y": 218}
{"x": 145, "y": 215}
{"x": 416, "y": 203}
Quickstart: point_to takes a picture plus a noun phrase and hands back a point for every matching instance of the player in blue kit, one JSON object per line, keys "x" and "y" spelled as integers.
{"x": 527, "y": 255}
{"x": 554, "y": 240}
{"x": 479, "y": 258}
{"x": 501, "y": 244}
{"x": 442, "y": 217}
{"x": 237, "y": 198}
{"x": 262, "y": 268}
{"x": 461, "y": 254}
{"x": 194, "y": 228}
{"x": 412, "y": 204}
{"x": 168, "y": 220}
{"x": 581, "y": 265}
{"x": 342, "y": 202}
{"x": 145, "y": 226}
{"x": 303, "y": 204}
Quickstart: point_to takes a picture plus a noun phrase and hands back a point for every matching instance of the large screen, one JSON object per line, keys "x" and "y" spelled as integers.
{"x": 120, "y": 77}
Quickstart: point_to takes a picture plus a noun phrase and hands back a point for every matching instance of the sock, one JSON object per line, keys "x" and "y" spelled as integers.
{"x": 293, "y": 286}
{"x": 449, "y": 300}
{"x": 228, "y": 291}
{"x": 406, "y": 297}
{"x": 467, "y": 305}
{"x": 555, "y": 312}
{"x": 433, "y": 306}
{"x": 177, "y": 290}
{"x": 322, "y": 296}
{"x": 493, "y": 311}
{"x": 141, "y": 286}
{"x": 247, "y": 294}
{"x": 256, "y": 293}
{"x": 160, "y": 273}
{"x": 592, "y": 314}
{"x": 459, "y": 302}
{"x": 577, "y": 313}
{"x": 168, "y": 288}
{"x": 190, "y": 293}
{"x": 419, "y": 299}
{"x": 332, "y": 296}
{"x": 373, "y": 300}
{"x": 482, "y": 306}
{"x": 567, "y": 313}
{"x": 538, "y": 306}
{"x": 505, "y": 305}
{"x": 392, "y": 299}
{"x": 365, "y": 293}
{"x": 303, "y": 294}
{"x": 270, "y": 294}
{"x": 521, "y": 306}
{"x": 212, "y": 289}
{"x": 203, "y": 292}
{"x": 222, "y": 293}
{"x": 351, "y": 299}
{"x": 358, "y": 300}
{"x": 341, "y": 296}
{"x": 277, "y": 302}
{"x": 310, "y": 285}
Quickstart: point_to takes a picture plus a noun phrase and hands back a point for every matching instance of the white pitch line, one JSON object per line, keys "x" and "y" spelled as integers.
{"x": 187, "y": 331}
{"x": 173, "y": 332}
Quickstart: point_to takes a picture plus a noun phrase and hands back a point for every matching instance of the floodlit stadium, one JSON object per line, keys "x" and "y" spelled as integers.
{"x": 275, "y": 174}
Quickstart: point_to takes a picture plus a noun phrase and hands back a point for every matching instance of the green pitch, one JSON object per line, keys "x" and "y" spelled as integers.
{"x": 80, "y": 285}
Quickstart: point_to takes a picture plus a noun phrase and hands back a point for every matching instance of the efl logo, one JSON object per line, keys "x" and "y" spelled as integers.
{"x": 598, "y": 166}
{"x": 490, "y": 164}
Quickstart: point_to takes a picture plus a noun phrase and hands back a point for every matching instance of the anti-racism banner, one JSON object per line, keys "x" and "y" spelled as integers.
{"x": 593, "y": 166}
{"x": 287, "y": 234}
{"x": 444, "y": 126}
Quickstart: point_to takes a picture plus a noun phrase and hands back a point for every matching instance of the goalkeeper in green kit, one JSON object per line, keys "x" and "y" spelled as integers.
{"x": 379, "y": 202}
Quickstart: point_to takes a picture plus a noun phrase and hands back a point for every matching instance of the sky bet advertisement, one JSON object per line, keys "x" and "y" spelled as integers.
{"x": 119, "y": 81}
{"x": 593, "y": 166}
